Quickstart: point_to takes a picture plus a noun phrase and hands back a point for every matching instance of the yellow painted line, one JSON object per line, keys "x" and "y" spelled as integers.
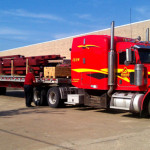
{"x": 75, "y": 81}
{"x": 103, "y": 71}
{"x": 88, "y": 70}
{"x": 119, "y": 70}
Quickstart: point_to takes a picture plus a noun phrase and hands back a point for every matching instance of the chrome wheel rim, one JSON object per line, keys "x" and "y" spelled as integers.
{"x": 52, "y": 98}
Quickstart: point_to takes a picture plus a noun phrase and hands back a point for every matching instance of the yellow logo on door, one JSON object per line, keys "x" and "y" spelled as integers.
{"x": 125, "y": 73}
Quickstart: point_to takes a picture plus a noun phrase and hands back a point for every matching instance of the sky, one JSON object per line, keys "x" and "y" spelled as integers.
{"x": 27, "y": 22}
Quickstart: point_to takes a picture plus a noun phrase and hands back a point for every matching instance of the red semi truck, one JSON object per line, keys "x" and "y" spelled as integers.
{"x": 106, "y": 72}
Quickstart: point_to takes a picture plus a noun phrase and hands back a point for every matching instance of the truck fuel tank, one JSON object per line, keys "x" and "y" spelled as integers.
{"x": 139, "y": 75}
{"x": 126, "y": 101}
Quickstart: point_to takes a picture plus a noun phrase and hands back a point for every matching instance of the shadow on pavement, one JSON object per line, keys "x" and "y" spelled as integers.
{"x": 15, "y": 93}
{"x": 85, "y": 108}
{"x": 108, "y": 111}
{"x": 112, "y": 111}
{"x": 124, "y": 113}
{"x": 19, "y": 111}
{"x": 36, "y": 110}
{"x": 132, "y": 115}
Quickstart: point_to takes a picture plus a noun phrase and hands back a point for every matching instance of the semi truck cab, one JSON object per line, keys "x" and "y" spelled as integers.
{"x": 113, "y": 71}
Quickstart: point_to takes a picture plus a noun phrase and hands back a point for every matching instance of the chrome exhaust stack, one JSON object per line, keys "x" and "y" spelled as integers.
{"x": 111, "y": 63}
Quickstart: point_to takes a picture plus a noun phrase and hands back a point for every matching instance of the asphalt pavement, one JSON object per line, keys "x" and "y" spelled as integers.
{"x": 69, "y": 128}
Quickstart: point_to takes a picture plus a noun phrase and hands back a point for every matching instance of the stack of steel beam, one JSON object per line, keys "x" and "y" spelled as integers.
{"x": 19, "y": 65}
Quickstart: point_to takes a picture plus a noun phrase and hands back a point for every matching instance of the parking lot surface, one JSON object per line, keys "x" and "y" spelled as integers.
{"x": 70, "y": 128}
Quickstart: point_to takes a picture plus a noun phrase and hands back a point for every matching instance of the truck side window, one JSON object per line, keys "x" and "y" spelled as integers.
{"x": 122, "y": 57}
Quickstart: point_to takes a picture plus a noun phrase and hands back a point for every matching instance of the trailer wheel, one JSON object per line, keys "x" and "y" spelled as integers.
{"x": 39, "y": 97}
{"x": 36, "y": 96}
{"x": 53, "y": 97}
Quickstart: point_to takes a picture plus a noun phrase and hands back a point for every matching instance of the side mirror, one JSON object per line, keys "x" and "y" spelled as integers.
{"x": 128, "y": 57}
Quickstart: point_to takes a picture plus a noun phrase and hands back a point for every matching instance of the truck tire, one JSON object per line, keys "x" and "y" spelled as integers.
{"x": 39, "y": 97}
{"x": 36, "y": 96}
{"x": 53, "y": 97}
{"x": 2, "y": 90}
{"x": 43, "y": 98}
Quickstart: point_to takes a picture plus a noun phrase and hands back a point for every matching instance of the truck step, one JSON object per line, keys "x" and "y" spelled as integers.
{"x": 121, "y": 108}
{"x": 70, "y": 103}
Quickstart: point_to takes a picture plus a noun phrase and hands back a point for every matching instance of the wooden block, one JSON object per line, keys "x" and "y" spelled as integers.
{"x": 49, "y": 72}
{"x": 54, "y": 72}
{"x": 62, "y": 71}
{"x": 55, "y": 61}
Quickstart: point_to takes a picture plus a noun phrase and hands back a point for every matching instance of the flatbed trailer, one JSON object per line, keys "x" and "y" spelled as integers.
{"x": 62, "y": 86}
{"x": 21, "y": 79}
{"x": 52, "y": 75}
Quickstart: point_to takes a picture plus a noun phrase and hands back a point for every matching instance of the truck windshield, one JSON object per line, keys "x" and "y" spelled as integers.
{"x": 144, "y": 55}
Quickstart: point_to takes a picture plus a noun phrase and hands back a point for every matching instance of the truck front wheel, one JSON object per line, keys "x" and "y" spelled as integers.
{"x": 53, "y": 97}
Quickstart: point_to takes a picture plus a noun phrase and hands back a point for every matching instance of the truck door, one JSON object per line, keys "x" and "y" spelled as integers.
{"x": 125, "y": 72}
{"x": 85, "y": 60}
